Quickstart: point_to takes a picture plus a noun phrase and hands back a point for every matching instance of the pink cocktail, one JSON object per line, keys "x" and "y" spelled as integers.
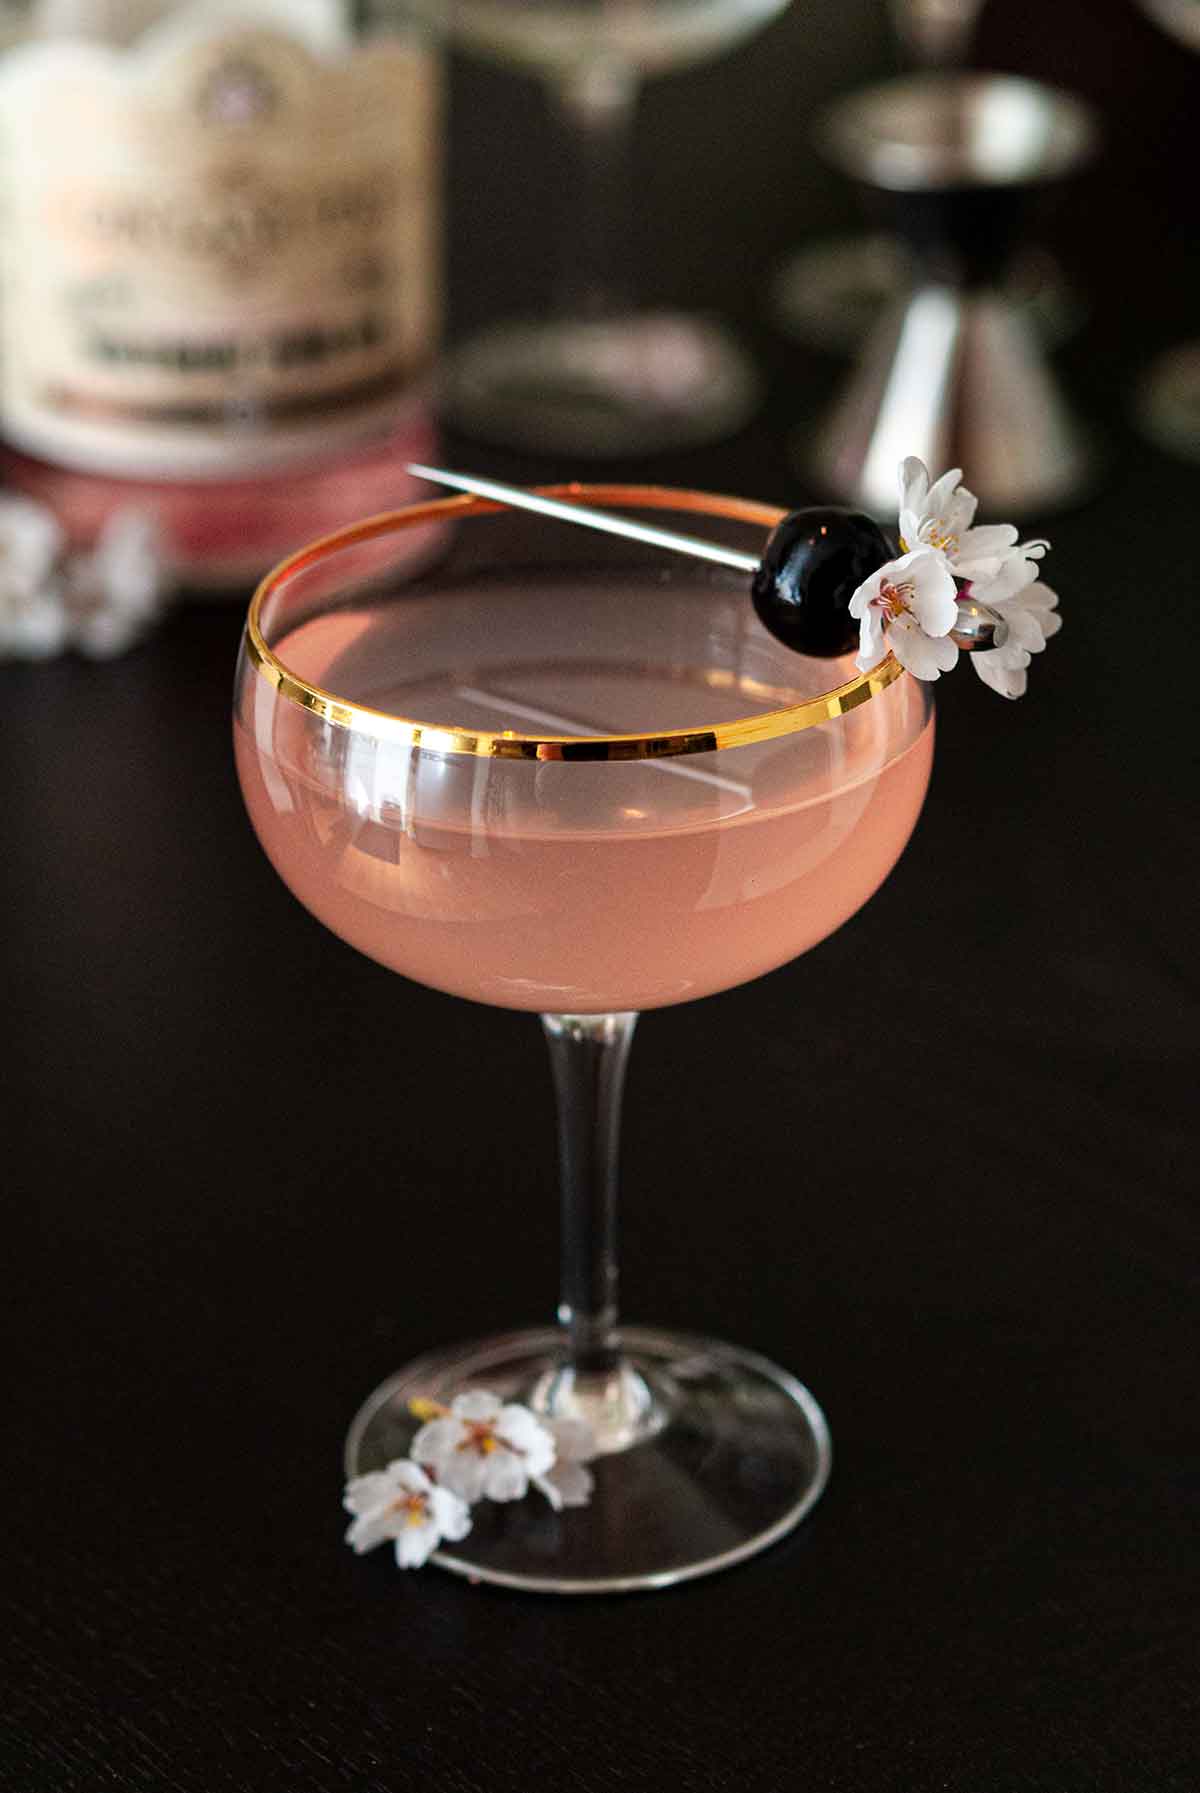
{"x": 583, "y": 781}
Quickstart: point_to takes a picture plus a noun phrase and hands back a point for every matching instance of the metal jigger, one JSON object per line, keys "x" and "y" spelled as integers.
{"x": 954, "y": 371}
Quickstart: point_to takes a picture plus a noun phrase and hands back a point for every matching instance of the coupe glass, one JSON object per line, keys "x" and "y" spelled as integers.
{"x": 595, "y": 375}
{"x": 576, "y": 776}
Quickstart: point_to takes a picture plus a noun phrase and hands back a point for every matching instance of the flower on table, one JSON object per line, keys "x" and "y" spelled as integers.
{"x": 99, "y": 602}
{"x": 483, "y": 1448}
{"x": 402, "y": 1503}
{"x": 116, "y": 591}
{"x": 908, "y": 606}
{"x": 478, "y": 1448}
{"x": 33, "y": 625}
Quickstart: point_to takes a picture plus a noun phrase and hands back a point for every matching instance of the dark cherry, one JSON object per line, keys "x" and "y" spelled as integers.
{"x": 813, "y": 563}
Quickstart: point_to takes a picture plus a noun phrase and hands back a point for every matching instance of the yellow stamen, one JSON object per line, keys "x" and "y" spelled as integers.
{"x": 420, "y": 1408}
{"x": 893, "y": 598}
{"x": 415, "y": 1507}
{"x": 480, "y": 1437}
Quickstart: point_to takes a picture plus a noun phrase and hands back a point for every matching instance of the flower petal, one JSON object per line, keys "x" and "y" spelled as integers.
{"x": 1019, "y": 570}
{"x": 1014, "y": 577}
{"x": 989, "y": 538}
{"x": 505, "y": 1477}
{"x": 1027, "y": 620}
{"x": 892, "y": 572}
{"x": 567, "y": 1485}
{"x": 925, "y": 656}
{"x": 941, "y": 493}
{"x": 364, "y": 1493}
{"x": 982, "y": 553}
{"x": 960, "y": 512}
{"x": 370, "y": 1529}
{"x": 452, "y": 1515}
{"x": 416, "y": 1544}
{"x": 519, "y": 1427}
{"x": 910, "y": 529}
{"x": 31, "y": 539}
{"x": 1024, "y": 631}
{"x": 866, "y": 593}
{"x": 381, "y": 1486}
{"x": 475, "y": 1404}
{"x": 437, "y": 1440}
{"x": 995, "y": 670}
{"x": 1044, "y": 604}
{"x": 33, "y": 628}
{"x": 871, "y": 645}
{"x": 466, "y": 1473}
{"x": 934, "y": 600}
{"x": 547, "y": 1485}
{"x": 574, "y": 1440}
{"x": 914, "y": 484}
{"x": 103, "y": 637}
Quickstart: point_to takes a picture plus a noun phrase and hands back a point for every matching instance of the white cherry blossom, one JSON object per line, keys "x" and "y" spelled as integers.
{"x": 99, "y": 602}
{"x": 401, "y": 1503}
{"x": 908, "y": 605}
{"x": 114, "y": 593}
{"x": 33, "y": 623}
{"x": 484, "y": 1448}
{"x": 993, "y": 568}
{"x": 941, "y": 516}
{"x": 1027, "y": 621}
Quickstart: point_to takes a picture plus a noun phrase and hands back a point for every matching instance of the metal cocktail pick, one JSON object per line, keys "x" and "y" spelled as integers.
{"x": 976, "y": 625}
{"x": 522, "y": 499}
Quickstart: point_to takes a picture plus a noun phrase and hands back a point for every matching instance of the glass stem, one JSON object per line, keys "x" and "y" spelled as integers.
{"x": 588, "y": 1055}
{"x": 595, "y": 105}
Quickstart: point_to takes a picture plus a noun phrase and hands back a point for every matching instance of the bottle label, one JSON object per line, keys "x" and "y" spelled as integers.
{"x": 220, "y": 246}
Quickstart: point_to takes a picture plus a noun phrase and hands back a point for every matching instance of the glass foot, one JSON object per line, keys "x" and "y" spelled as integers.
{"x": 1168, "y": 402}
{"x": 638, "y": 384}
{"x": 729, "y": 1453}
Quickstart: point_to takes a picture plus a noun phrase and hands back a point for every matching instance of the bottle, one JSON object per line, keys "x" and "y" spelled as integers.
{"x": 219, "y": 267}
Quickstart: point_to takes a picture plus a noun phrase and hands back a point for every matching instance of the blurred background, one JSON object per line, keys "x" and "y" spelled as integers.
{"x": 730, "y": 185}
{"x": 230, "y": 1185}
{"x": 739, "y": 162}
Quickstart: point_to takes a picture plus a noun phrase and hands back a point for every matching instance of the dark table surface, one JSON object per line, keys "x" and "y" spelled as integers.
{"x": 944, "y": 1168}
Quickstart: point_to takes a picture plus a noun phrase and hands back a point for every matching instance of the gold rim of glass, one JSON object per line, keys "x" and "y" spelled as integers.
{"x": 446, "y": 738}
